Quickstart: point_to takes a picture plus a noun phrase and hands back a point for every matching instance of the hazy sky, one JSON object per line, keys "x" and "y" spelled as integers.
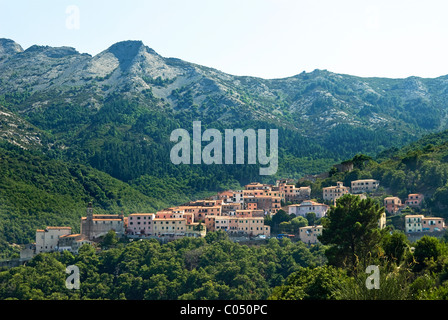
{"x": 263, "y": 38}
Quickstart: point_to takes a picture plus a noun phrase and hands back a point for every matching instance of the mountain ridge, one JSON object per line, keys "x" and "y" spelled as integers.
{"x": 330, "y": 109}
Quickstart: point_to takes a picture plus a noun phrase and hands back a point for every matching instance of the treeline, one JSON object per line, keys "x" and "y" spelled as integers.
{"x": 190, "y": 268}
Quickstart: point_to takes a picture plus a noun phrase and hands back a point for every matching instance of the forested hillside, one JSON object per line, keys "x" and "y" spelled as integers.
{"x": 36, "y": 191}
{"x": 420, "y": 167}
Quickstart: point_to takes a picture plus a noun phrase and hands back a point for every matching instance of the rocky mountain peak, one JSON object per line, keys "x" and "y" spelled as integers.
{"x": 9, "y": 47}
{"x": 52, "y": 52}
{"x": 126, "y": 51}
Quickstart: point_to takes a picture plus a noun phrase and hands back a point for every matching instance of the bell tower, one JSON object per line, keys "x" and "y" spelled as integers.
{"x": 89, "y": 211}
{"x": 87, "y": 223}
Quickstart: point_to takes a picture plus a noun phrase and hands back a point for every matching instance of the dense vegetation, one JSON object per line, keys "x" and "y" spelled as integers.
{"x": 37, "y": 191}
{"x": 215, "y": 267}
{"x": 420, "y": 167}
{"x": 205, "y": 268}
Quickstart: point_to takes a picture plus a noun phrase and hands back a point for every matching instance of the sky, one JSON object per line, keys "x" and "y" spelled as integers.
{"x": 260, "y": 38}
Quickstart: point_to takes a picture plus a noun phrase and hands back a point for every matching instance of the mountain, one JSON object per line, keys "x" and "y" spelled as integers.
{"x": 319, "y": 105}
{"x": 9, "y": 47}
{"x": 113, "y": 113}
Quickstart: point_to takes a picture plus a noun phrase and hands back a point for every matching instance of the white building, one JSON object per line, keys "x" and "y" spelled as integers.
{"x": 309, "y": 206}
{"x": 47, "y": 240}
{"x": 365, "y": 185}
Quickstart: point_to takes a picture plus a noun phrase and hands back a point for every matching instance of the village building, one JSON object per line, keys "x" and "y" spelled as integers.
{"x": 270, "y": 204}
{"x": 292, "y": 193}
{"x": 250, "y": 226}
{"x": 413, "y": 223}
{"x": 432, "y": 224}
{"x": 414, "y": 200}
{"x": 309, "y": 206}
{"x": 392, "y": 205}
{"x": 335, "y": 192}
{"x": 72, "y": 242}
{"x": 173, "y": 227}
{"x": 94, "y": 226}
{"x": 47, "y": 240}
{"x": 365, "y": 185}
{"x": 140, "y": 223}
{"x": 310, "y": 234}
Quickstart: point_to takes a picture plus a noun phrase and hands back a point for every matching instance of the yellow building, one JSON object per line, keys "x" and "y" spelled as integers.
{"x": 365, "y": 185}
{"x": 309, "y": 234}
{"x": 251, "y": 226}
{"x": 413, "y": 223}
{"x": 335, "y": 192}
{"x": 169, "y": 227}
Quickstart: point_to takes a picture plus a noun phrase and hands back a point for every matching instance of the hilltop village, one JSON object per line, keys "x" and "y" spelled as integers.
{"x": 241, "y": 213}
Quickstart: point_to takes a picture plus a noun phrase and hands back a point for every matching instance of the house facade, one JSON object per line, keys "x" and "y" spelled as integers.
{"x": 47, "y": 240}
{"x": 94, "y": 226}
{"x": 310, "y": 234}
{"x": 392, "y": 205}
{"x": 365, "y": 185}
{"x": 305, "y": 207}
{"x": 414, "y": 200}
{"x": 413, "y": 223}
{"x": 431, "y": 224}
{"x": 335, "y": 192}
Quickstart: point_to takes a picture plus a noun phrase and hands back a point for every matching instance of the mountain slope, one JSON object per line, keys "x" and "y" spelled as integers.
{"x": 343, "y": 114}
{"x": 419, "y": 167}
{"x": 115, "y": 111}
{"x": 36, "y": 191}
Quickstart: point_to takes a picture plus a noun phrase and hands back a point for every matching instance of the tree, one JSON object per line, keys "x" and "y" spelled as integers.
{"x": 351, "y": 230}
{"x": 297, "y": 223}
{"x": 110, "y": 239}
{"x": 216, "y": 236}
{"x": 311, "y": 218}
{"x": 426, "y": 249}
{"x": 395, "y": 246}
{"x": 320, "y": 283}
{"x": 279, "y": 217}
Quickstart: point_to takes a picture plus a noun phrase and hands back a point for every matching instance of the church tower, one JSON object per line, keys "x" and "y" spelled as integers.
{"x": 87, "y": 222}
{"x": 89, "y": 211}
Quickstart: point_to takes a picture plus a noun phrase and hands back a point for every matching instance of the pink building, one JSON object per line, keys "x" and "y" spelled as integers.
{"x": 392, "y": 204}
{"x": 414, "y": 200}
{"x": 141, "y": 223}
{"x": 431, "y": 224}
